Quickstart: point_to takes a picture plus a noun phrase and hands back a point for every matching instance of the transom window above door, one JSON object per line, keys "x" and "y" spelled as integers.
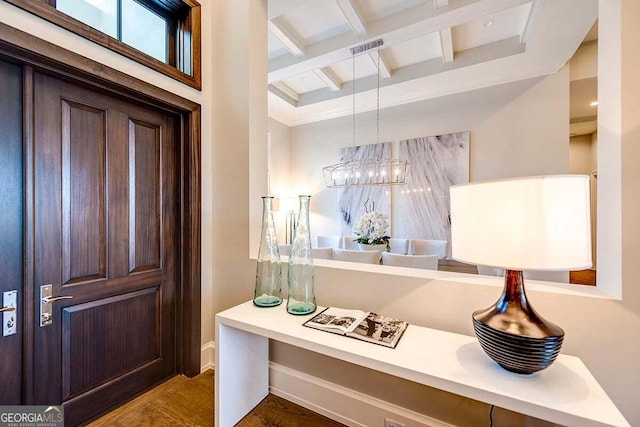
{"x": 130, "y": 22}
{"x": 161, "y": 34}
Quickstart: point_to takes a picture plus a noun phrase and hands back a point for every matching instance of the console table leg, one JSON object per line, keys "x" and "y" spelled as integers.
{"x": 242, "y": 371}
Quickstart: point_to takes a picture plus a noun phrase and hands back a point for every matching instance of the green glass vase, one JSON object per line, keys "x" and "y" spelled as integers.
{"x": 301, "y": 294}
{"x": 268, "y": 290}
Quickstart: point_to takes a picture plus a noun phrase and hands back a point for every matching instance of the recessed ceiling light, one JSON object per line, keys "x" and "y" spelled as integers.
{"x": 594, "y": 103}
{"x": 488, "y": 23}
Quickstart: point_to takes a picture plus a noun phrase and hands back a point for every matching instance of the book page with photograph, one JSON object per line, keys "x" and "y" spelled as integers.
{"x": 379, "y": 330}
{"x": 336, "y": 320}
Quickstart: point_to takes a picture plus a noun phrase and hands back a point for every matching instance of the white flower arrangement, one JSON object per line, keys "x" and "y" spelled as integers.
{"x": 371, "y": 228}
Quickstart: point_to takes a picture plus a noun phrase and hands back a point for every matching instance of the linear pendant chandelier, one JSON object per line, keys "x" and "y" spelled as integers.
{"x": 368, "y": 171}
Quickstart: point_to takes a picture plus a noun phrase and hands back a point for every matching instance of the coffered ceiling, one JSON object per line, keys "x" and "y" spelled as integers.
{"x": 431, "y": 48}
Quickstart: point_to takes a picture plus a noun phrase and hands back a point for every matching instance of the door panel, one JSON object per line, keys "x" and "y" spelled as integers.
{"x": 83, "y": 192}
{"x": 89, "y": 363}
{"x": 11, "y": 211}
{"x": 105, "y": 231}
{"x": 144, "y": 206}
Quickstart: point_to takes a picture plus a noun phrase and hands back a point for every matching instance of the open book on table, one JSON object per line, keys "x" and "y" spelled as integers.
{"x": 362, "y": 325}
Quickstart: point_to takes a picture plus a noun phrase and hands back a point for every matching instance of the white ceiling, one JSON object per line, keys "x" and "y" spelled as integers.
{"x": 431, "y": 48}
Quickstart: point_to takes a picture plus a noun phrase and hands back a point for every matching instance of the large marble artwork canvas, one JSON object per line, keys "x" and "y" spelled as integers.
{"x": 435, "y": 164}
{"x": 351, "y": 200}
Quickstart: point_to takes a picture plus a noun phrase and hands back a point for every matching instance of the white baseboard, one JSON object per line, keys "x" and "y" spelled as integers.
{"x": 207, "y": 356}
{"x": 339, "y": 403}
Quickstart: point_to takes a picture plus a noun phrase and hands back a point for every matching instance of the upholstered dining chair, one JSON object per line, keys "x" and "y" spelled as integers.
{"x": 348, "y": 243}
{"x": 430, "y": 247}
{"x": 328, "y": 242}
{"x": 322, "y": 253}
{"x": 367, "y": 257}
{"x": 399, "y": 246}
{"x": 427, "y": 262}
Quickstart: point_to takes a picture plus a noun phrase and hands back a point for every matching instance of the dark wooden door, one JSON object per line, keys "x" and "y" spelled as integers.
{"x": 11, "y": 214}
{"x": 106, "y": 223}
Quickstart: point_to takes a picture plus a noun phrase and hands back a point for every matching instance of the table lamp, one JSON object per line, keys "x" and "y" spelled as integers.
{"x": 536, "y": 223}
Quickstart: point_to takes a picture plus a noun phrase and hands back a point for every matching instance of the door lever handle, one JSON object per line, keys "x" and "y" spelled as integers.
{"x": 7, "y": 309}
{"x": 46, "y": 299}
{"x": 49, "y": 300}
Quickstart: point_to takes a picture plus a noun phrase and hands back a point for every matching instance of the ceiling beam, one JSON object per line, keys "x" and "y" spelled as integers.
{"x": 329, "y": 78}
{"x": 285, "y": 93}
{"x": 385, "y": 70}
{"x": 446, "y": 44}
{"x": 406, "y": 25}
{"x": 353, "y": 17}
{"x": 469, "y": 58}
{"x": 285, "y": 35}
{"x": 357, "y": 24}
{"x": 531, "y": 22}
{"x": 440, "y": 3}
{"x": 286, "y": 89}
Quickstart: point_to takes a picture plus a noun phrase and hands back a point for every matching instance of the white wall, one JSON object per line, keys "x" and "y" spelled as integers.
{"x": 580, "y": 156}
{"x": 527, "y": 136}
{"x": 517, "y": 129}
{"x": 239, "y": 145}
{"x": 594, "y": 151}
{"x": 584, "y": 63}
{"x": 583, "y": 159}
{"x": 280, "y": 167}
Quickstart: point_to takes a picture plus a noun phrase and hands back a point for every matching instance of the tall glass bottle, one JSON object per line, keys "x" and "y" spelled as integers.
{"x": 301, "y": 299}
{"x": 268, "y": 291}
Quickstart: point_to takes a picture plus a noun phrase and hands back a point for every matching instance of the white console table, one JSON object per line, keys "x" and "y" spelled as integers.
{"x": 565, "y": 393}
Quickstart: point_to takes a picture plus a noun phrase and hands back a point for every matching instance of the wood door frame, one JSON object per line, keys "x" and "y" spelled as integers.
{"x": 37, "y": 54}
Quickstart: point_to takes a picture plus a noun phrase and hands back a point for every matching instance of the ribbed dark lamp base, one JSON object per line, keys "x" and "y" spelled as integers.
{"x": 513, "y": 334}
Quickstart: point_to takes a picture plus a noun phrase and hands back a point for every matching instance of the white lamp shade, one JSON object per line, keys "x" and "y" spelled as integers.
{"x": 536, "y": 223}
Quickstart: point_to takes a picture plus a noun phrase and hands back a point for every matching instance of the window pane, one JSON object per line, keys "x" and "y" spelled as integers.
{"x": 99, "y": 14}
{"x": 144, "y": 30}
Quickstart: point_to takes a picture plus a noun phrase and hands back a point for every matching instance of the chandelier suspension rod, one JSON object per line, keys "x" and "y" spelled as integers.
{"x": 353, "y": 98}
{"x": 378, "y": 99}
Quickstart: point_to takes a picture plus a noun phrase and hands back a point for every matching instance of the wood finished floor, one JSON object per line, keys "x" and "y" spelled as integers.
{"x": 183, "y": 401}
